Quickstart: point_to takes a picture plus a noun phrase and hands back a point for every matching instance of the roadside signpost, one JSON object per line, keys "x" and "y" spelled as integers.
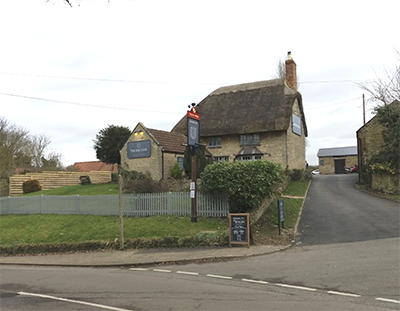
{"x": 280, "y": 216}
{"x": 239, "y": 229}
{"x": 193, "y": 140}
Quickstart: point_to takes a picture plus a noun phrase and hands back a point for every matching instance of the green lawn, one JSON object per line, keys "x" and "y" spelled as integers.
{"x": 55, "y": 229}
{"x": 266, "y": 229}
{"x": 44, "y": 229}
{"x": 297, "y": 188}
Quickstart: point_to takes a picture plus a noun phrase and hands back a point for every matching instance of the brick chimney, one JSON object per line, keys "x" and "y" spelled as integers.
{"x": 291, "y": 74}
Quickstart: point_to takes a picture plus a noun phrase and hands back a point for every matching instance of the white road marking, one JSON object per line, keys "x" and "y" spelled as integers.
{"x": 388, "y": 300}
{"x": 162, "y": 270}
{"x": 297, "y": 287}
{"x": 73, "y": 301}
{"x": 254, "y": 281}
{"x": 219, "y": 276}
{"x": 343, "y": 294}
{"x": 187, "y": 272}
{"x": 261, "y": 282}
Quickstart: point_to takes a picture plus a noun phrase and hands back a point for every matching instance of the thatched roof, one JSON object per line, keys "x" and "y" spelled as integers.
{"x": 246, "y": 108}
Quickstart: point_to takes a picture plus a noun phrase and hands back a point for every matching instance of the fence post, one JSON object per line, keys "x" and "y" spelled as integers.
{"x": 78, "y": 209}
{"x": 41, "y": 204}
{"x": 169, "y": 204}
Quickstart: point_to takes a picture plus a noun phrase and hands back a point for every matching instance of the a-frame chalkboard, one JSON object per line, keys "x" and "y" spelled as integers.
{"x": 239, "y": 229}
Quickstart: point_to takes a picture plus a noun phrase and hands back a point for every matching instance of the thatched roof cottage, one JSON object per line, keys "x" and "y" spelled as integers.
{"x": 259, "y": 120}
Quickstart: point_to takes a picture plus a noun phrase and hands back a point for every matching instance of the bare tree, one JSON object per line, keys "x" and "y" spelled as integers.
{"x": 13, "y": 140}
{"x": 280, "y": 69}
{"x": 384, "y": 90}
{"x": 37, "y": 147}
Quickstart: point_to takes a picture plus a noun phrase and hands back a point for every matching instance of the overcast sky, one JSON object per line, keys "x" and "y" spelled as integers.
{"x": 69, "y": 72}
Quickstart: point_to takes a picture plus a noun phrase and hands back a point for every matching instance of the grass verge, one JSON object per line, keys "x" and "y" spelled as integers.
{"x": 43, "y": 233}
{"x": 266, "y": 230}
{"x": 48, "y": 233}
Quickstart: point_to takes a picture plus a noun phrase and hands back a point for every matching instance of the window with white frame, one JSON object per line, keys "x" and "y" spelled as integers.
{"x": 221, "y": 159}
{"x": 249, "y": 157}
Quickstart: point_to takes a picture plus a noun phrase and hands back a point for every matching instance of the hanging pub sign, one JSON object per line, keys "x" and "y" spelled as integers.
{"x": 239, "y": 229}
{"x": 193, "y": 127}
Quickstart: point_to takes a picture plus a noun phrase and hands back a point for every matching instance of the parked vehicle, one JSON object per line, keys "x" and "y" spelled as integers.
{"x": 315, "y": 172}
{"x": 351, "y": 169}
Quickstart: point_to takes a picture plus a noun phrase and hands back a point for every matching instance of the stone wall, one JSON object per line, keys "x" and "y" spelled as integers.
{"x": 329, "y": 163}
{"x": 283, "y": 147}
{"x": 272, "y": 144}
{"x": 151, "y": 165}
{"x": 296, "y": 145}
{"x": 370, "y": 142}
{"x": 156, "y": 165}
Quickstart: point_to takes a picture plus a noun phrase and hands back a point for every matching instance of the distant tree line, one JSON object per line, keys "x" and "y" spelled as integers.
{"x": 22, "y": 152}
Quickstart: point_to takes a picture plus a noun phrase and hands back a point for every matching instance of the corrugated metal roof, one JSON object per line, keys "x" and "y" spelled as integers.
{"x": 339, "y": 151}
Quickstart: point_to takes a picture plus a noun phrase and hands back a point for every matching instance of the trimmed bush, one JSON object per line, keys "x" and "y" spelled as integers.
{"x": 296, "y": 174}
{"x": 247, "y": 183}
{"x": 31, "y": 185}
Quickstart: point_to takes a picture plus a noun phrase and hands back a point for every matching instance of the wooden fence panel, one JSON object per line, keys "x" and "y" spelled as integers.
{"x": 56, "y": 179}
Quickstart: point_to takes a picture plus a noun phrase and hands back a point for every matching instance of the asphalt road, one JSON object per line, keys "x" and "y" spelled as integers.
{"x": 335, "y": 211}
{"x": 160, "y": 288}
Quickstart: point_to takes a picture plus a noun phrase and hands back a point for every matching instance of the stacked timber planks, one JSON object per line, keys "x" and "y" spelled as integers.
{"x": 56, "y": 179}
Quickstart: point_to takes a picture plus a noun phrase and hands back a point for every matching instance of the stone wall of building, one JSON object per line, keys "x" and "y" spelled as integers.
{"x": 170, "y": 159}
{"x": 159, "y": 165}
{"x": 369, "y": 140}
{"x": 283, "y": 147}
{"x": 271, "y": 144}
{"x": 328, "y": 166}
{"x": 296, "y": 145}
{"x": 151, "y": 165}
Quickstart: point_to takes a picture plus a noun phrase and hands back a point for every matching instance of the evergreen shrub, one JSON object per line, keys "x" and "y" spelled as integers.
{"x": 31, "y": 185}
{"x": 176, "y": 172}
{"x": 246, "y": 183}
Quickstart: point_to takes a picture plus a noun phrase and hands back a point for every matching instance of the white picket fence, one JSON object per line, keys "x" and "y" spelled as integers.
{"x": 168, "y": 203}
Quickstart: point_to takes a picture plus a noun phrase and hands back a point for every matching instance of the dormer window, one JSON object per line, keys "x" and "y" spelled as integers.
{"x": 250, "y": 140}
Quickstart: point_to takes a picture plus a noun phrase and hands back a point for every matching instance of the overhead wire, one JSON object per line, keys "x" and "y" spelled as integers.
{"x": 86, "y": 105}
{"x": 145, "y": 82}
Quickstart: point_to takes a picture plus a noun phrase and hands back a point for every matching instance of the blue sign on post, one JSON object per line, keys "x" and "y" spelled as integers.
{"x": 281, "y": 217}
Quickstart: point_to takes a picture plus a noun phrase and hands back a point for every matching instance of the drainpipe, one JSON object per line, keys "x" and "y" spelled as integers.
{"x": 162, "y": 163}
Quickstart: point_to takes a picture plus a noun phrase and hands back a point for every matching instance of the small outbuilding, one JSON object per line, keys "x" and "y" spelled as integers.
{"x": 333, "y": 160}
{"x": 153, "y": 151}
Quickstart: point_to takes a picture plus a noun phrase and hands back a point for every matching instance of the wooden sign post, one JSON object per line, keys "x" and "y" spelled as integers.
{"x": 239, "y": 229}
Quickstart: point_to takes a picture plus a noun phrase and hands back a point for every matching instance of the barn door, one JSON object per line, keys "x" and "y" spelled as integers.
{"x": 339, "y": 166}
